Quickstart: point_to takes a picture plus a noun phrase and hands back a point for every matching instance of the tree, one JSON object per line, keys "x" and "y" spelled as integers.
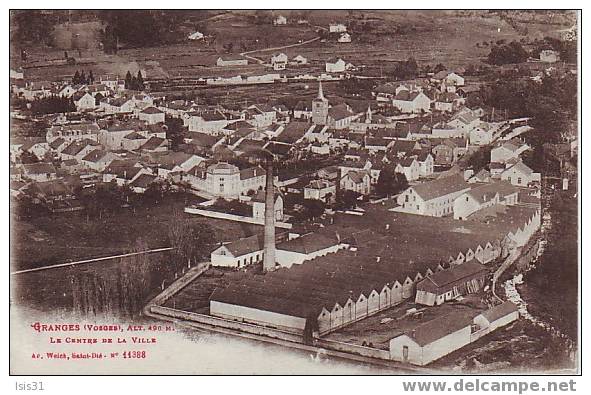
{"x": 390, "y": 183}
{"x": 76, "y": 78}
{"x": 347, "y": 199}
{"x": 191, "y": 242}
{"x": 508, "y": 53}
{"x": 139, "y": 81}
{"x": 90, "y": 78}
{"x": 439, "y": 68}
{"x": 29, "y": 157}
{"x": 479, "y": 159}
{"x": 314, "y": 208}
{"x": 174, "y": 131}
{"x": 128, "y": 80}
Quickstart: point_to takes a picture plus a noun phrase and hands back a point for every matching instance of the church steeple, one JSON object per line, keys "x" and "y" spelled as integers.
{"x": 320, "y": 93}
{"x": 368, "y": 115}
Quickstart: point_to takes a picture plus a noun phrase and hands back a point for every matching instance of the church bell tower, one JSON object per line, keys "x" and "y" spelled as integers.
{"x": 319, "y": 108}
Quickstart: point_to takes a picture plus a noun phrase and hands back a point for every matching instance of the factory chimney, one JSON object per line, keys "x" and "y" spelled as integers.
{"x": 269, "y": 259}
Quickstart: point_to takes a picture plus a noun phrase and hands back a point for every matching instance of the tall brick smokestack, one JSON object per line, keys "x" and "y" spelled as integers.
{"x": 269, "y": 259}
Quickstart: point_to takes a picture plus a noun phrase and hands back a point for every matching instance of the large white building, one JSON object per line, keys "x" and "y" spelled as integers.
{"x": 226, "y": 180}
{"x": 433, "y": 198}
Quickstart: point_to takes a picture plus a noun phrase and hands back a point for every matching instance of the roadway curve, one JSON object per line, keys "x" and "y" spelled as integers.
{"x": 247, "y": 53}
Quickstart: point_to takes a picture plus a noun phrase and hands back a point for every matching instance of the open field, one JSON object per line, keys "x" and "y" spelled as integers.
{"x": 68, "y": 237}
{"x": 51, "y": 290}
{"x": 429, "y": 36}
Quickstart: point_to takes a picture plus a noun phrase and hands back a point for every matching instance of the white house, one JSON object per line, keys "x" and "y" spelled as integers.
{"x": 225, "y": 180}
{"x": 549, "y": 56}
{"x": 195, "y": 36}
{"x": 300, "y": 60}
{"x": 520, "y": 175}
{"x": 210, "y": 122}
{"x": 497, "y": 316}
{"x": 433, "y": 198}
{"x": 152, "y": 115}
{"x": 411, "y": 102}
{"x": 335, "y": 65}
{"x": 409, "y": 167}
{"x": 337, "y": 28}
{"x": 258, "y": 205}
{"x": 239, "y": 253}
{"x": 482, "y": 134}
{"x": 98, "y": 159}
{"x": 84, "y": 101}
{"x": 279, "y": 61}
{"x": 306, "y": 247}
{"x": 356, "y": 181}
{"x": 426, "y": 163}
{"x": 432, "y": 340}
{"x": 483, "y": 196}
{"x": 507, "y": 151}
{"x": 39, "y": 171}
{"x": 344, "y": 38}
{"x": 323, "y": 190}
{"x": 230, "y": 60}
{"x": 280, "y": 20}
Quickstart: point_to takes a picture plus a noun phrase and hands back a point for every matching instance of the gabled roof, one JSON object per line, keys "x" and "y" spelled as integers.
{"x": 340, "y": 111}
{"x": 500, "y": 311}
{"x": 213, "y": 116}
{"x": 407, "y": 96}
{"x": 95, "y": 155}
{"x": 303, "y": 106}
{"x": 134, "y": 136}
{"x": 77, "y": 146}
{"x": 441, "y": 187}
{"x": 357, "y": 176}
{"x": 309, "y": 243}
{"x": 245, "y": 245}
{"x": 39, "y": 168}
{"x": 153, "y": 143}
{"x": 260, "y": 196}
{"x": 440, "y": 327}
{"x": 202, "y": 139}
{"x": 319, "y": 184}
{"x": 51, "y": 188}
{"x": 151, "y": 110}
{"x": 143, "y": 181}
{"x": 521, "y": 168}
{"x": 55, "y": 144}
{"x": 252, "y": 172}
{"x": 29, "y": 143}
{"x": 458, "y": 273}
{"x": 131, "y": 124}
{"x": 293, "y": 131}
{"x": 124, "y": 172}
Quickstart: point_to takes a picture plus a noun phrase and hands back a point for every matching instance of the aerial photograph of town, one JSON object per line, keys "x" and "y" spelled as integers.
{"x": 294, "y": 192}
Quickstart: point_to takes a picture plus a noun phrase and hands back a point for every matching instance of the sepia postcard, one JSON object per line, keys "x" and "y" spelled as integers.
{"x": 294, "y": 192}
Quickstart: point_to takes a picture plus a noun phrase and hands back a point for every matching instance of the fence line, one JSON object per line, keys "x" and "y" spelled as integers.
{"x": 86, "y": 261}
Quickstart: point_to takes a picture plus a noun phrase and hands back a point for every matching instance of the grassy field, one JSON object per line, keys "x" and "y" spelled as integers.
{"x": 428, "y": 36}
{"x": 65, "y": 237}
{"x": 68, "y": 237}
